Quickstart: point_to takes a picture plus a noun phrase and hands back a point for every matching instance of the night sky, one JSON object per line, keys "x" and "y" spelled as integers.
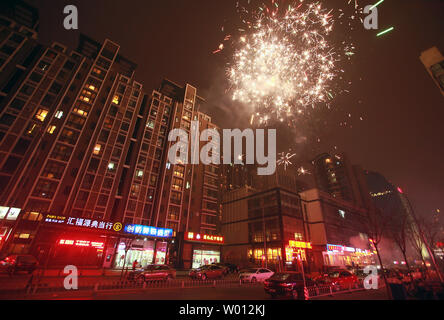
{"x": 401, "y": 133}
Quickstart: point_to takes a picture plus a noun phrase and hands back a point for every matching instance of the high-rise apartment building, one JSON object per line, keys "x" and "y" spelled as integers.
{"x": 336, "y": 176}
{"x": 84, "y": 157}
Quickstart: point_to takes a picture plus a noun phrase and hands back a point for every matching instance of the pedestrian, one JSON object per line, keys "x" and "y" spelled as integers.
{"x": 135, "y": 263}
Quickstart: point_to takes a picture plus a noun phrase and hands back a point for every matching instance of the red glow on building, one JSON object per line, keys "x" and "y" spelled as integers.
{"x": 82, "y": 243}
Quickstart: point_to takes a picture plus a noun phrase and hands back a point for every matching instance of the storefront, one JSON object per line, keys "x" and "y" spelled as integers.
{"x": 149, "y": 245}
{"x": 201, "y": 249}
{"x": 341, "y": 256}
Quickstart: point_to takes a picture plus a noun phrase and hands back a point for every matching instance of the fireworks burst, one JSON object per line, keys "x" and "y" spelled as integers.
{"x": 286, "y": 63}
{"x": 285, "y": 159}
{"x": 302, "y": 171}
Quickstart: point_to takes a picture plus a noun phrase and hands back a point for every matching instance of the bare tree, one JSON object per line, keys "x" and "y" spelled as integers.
{"x": 432, "y": 233}
{"x": 376, "y": 228}
{"x": 399, "y": 235}
{"x": 414, "y": 235}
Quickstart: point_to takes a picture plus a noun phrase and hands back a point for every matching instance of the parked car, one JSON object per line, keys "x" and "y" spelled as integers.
{"x": 255, "y": 275}
{"x": 287, "y": 284}
{"x": 230, "y": 268}
{"x": 15, "y": 263}
{"x": 339, "y": 279}
{"x": 207, "y": 272}
{"x": 154, "y": 273}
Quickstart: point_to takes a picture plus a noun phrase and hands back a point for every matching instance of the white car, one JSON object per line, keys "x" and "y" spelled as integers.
{"x": 255, "y": 275}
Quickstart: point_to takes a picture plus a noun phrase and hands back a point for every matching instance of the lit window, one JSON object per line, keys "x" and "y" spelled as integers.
{"x": 24, "y": 236}
{"x": 342, "y": 213}
{"x": 85, "y": 99}
{"x": 80, "y": 112}
{"x": 168, "y": 166}
{"x": 59, "y": 114}
{"x": 41, "y": 114}
{"x": 97, "y": 149}
{"x": 51, "y": 129}
{"x": 111, "y": 166}
{"x": 140, "y": 173}
{"x": 116, "y": 100}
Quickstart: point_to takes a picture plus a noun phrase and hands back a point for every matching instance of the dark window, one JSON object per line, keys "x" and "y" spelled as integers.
{"x": 17, "y": 104}
{"x": 22, "y": 146}
{"x": 7, "y": 119}
{"x": 11, "y": 164}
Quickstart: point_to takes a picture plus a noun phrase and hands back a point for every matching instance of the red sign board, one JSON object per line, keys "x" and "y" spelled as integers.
{"x": 81, "y": 243}
{"x": 190, "y": 236}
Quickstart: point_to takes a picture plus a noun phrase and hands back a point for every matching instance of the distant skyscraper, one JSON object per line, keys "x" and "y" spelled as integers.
{"x": 336, "y": 176}
{"x": 433, "y": 61}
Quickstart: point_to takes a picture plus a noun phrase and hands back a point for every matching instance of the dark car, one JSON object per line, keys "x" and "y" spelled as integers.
{"x": 287, "y": 284}
{"x": 339, "y": 279}
{"x": 208, "y": 272}
{"x": 229, "y": 267}
{"x": 153, "y": 273}
{"x": 15, "y": 263}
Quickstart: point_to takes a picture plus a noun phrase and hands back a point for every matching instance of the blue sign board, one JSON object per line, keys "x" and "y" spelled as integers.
{"x": 148, "y": 231}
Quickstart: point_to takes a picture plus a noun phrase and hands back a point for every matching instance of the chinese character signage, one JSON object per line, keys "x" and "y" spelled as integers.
{"x": 341, "y": 249}
{"x": 84, "y": 222}
{"x": 81, "y": 243}
{"x": 148, "y": 231}
{"x": 300, "y": 244}
{"x": 190, "y": 236}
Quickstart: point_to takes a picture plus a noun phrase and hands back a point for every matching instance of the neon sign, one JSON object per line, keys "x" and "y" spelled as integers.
{"x": 148, "y": 231}
{"x": 82, "y": 243}
{"x": 190, "y": 236}
{"x": 342, "y": 249}
{"x": 299, "y": 244}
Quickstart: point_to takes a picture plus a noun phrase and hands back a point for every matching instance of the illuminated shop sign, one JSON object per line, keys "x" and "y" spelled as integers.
{"x": 339, "y": 248}
{"x": 190, "y": 236}
{"x": 81, "y": 243}
{"x": 148, "y": 231}
{"x": 85, "y": 223}
{"x": 9, "y": 213}
{"x": 299, "y": 244}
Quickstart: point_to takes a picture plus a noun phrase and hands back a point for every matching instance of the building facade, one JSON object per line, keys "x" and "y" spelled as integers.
{"x": 84, "y": 157}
